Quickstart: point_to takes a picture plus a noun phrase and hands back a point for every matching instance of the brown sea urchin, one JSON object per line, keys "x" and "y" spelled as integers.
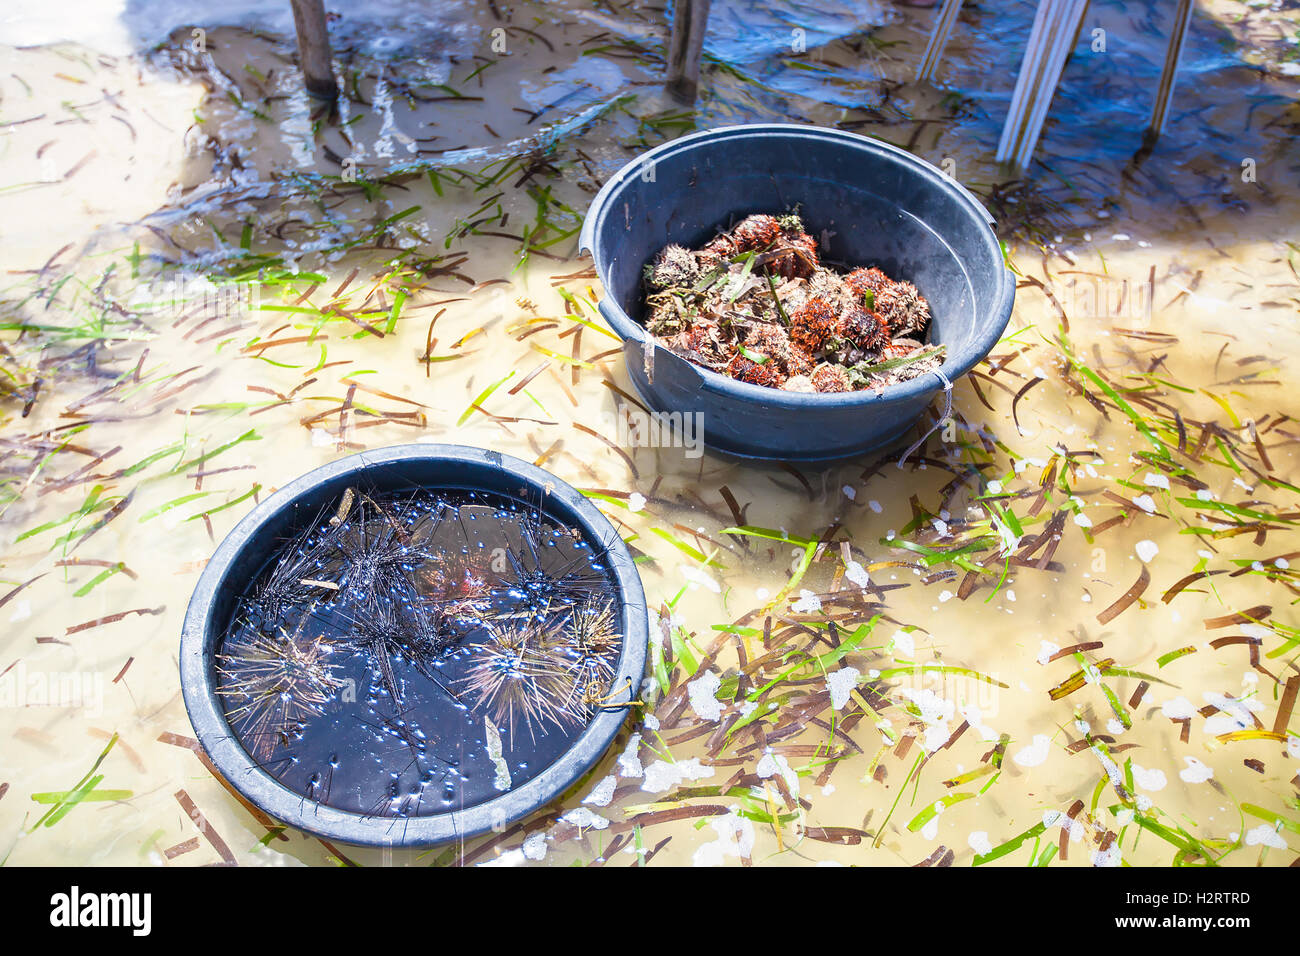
{"x": 756, "y": 304}
{"x": 905, "y": 311}
{"x": 813, "y": 324}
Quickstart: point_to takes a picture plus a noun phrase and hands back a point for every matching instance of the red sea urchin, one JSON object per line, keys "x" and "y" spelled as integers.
{"x": 703, "y": 342}
{"x": 831, "y": 378}
{"x": 674, "y": 266}
{"x": 755, "y": 373}
{"x": 906, "y": 312}
{"x": 755, "y": 232}
{"x": 862, "y": 328}
{"x": 813, "y": 324}
{"x": 769, "y": 339}
{"x": 755, "y": 304}
{"x": 794, "y": 257}
{"x": 862, "y": 281}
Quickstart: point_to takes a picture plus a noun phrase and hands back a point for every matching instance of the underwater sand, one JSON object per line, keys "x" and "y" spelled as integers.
{"x": 1163, "y": 732}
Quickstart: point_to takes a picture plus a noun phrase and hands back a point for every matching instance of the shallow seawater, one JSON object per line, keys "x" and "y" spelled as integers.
{"x": 365, "y": 664}
{"x": 211, "y": 331}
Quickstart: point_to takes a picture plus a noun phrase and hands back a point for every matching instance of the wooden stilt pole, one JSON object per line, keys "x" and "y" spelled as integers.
{"x": 1165, "y": 93}
{"x": 314, "y": 48}
{"x": 690, "y": 20}
{"x": 1055, "y": 30}
{"x": 943, "y": 25}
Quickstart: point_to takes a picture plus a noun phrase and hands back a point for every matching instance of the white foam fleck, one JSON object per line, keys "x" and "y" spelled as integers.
{"x": 979, "y": 842}
{"x": 1108, "y": 857}
{"x": 629, "y": 764}
{"x": 935, "y": 711}
{"x": 602, "y": 793}
{"x": 1146, "y": 503}
{"x": 1055, "y": 818}
{"x": 808, "y": 603}
{"x": 1154, "y": 480}
{"x": 769, "y": 765}
{"x": 1045, "y": 651}
{"x": 856, "y": 573}
{"x": 1265, "y": 835}
{"x": 841, "y": 683}
{"x": 735, "y": 838}
{"x": 1232, "y": 714}
{"x": 1195, "y": 772}
{"x": 1035, "y": 753}
{"x": 1152, "y": 780}
{"x": 584, "y": 819}
{"x": 698, "y": 578}
{"x": 703, "y": 691}
{"x": 973, "y": 716}
{"x": 662, "y": 775}
{"x": 534, "y": 847}
{"x": 849, "y": 492}
{"x": 509, "y": 858}
{"x": 635, "y": 502}
{"x": 1146, "y": 549}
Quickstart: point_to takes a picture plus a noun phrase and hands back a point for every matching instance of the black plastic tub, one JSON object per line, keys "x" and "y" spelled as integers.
{"x": 867, "y": 203}
{"x": 249, "y": 547}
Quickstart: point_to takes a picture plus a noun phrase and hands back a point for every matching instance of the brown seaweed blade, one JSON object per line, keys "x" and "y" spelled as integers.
{"x": 1127, "y": 598}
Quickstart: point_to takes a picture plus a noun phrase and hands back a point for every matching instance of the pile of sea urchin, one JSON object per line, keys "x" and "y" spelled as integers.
{"x": 757, "y": 305}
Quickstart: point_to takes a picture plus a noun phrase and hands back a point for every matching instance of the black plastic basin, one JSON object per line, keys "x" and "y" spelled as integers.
{"x": 246, "y": 550}
{"x": 867, "y": 203}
